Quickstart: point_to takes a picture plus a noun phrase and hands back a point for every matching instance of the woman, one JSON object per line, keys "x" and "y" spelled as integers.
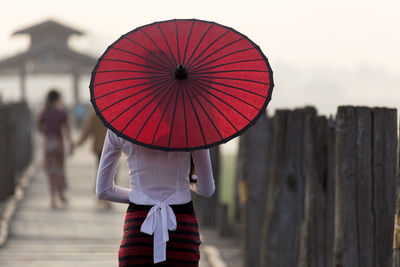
{"x": 53, "y": 124}
{"x": 160, "y": 223}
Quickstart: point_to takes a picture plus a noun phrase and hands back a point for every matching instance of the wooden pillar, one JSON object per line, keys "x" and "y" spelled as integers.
{"x": 206, "y": 208}
{"x": 366, "y": 164}
{"x": 384, "y": 171}
{"x": 396, "y": 239}
{"x": 330, "y": 192}
{"x": 7, "y": 153}
{"x": 22, "y": 83}
{"x": 317, "y": 226}
{"x": 253, "y": 180}
{"x": 76, "y": 88}
{"x": 286, "y": 187}
{"x": 353, "y": 209}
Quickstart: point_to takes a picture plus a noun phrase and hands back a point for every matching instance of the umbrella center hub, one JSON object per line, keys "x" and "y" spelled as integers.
{"x": 180, "y": 72}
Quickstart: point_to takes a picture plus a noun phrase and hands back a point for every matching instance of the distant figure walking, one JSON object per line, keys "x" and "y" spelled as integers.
{"x": 53, "y": 124}
{"x": 94, "y": 129}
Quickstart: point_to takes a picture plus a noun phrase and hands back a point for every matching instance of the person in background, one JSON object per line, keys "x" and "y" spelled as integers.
{"x": 94, "y": 129}
{"x": 53, "y": 125}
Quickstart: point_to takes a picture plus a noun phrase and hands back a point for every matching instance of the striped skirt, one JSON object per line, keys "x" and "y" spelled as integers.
{"x": 182, "y": 248}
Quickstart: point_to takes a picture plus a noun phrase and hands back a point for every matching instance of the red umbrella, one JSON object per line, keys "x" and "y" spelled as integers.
{"x": 181, "y": 85}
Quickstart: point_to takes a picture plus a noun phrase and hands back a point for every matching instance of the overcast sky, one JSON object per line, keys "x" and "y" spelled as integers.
{"x": 323, "y": 53}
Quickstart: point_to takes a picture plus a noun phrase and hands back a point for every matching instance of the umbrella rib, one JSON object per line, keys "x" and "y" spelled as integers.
{"x": 228, "y": 63}
{"x": 221, "y": 57}
{"x": 128, "y": 79}
{"x": 230, "y": 78}
{"x": 169, "y": 60}
{"x": 208, "y": 116}
{"x": 177, "y": 43}
{"x": 150, "y": 52}
{"x": 130, "y": 62}
{"x": 198, "y": 44}
{"x": 173, "y": 115}
{"x": 155, "y": 108}
{"x": 134, "y": 71}
{"x": 229, "y": 71}
{"x": 233, "y": 126}
{"x": 145, "y": 106}
{"x": 129, "y": 87}
{"x": 162, "y": 117}
{"x": 205, "y": 49}
{"x": 229, "y": 105}
{"x": 187, "y": 43}
{"x": 216, "y": 51}
{"x": 129, "y": 52}
{"x": 231, "y": 86}
{"x": 136, "y": 93}
{"x": 165, "y": 39}
{"x": 197, "y": 116}
{"x": 184, "y": 113}
{"x": 228, "y": 94}
{"x": 140, "y": 100}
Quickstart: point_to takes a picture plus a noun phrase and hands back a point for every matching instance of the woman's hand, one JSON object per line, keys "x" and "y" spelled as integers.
{"x": 193, "y": 187}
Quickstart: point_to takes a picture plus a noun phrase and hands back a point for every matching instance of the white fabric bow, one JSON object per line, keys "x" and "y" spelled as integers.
{"x": 159, "y": 220}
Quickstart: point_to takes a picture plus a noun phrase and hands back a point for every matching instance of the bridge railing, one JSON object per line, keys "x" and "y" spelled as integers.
{"x": 15, "y": 145}
{"x": 319, "y": 192}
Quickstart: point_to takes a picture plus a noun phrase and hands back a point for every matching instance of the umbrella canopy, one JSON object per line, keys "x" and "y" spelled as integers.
{"x": 181, "y": 85}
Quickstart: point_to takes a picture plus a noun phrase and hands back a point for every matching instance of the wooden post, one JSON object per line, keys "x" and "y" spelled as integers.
{"x": 22, "y": 81}
{"x": 239, "y": 188}
{"x": 353, "y": 211}
{"x": 253, "y": 178}
{"x": 285, "y": 197}
{"x": 314, "y": 233}
{"x": 384, "y": 170}
{"x": 330, "y": 192}
{"x": 366, "y": 147}
{"x": 396, "y": 236}
{"x": 27, "y": 127}
{"x": 222, "y": 222}
{"x": 206, "y": 209}
{"x": 76, "y": 88}
{"x": 20, "y": 118}
{"x": 6, "y": 155}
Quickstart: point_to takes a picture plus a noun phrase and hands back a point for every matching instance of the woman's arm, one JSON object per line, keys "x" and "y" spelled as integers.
{"x": 67, "y": 133}
{"x": 105, "y": 188}
{"x": 88, "y": 128}
{"x": 205, "y": 185}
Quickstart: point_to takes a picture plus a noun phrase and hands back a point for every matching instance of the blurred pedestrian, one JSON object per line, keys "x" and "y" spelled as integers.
{"x": 94, "y": 129}
{"x": 54, "y": 126}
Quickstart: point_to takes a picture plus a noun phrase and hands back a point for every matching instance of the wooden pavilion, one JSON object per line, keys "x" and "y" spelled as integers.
{"x": 48, "y": 53}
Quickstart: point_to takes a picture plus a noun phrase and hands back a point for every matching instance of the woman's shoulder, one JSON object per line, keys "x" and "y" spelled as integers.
{"x": 45, "y": 113}
{"x": 113, "y": 138}
{"x": 51, "y": 113}
{"x": 54, "y": 110}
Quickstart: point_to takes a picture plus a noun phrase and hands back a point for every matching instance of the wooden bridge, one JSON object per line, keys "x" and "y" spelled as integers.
{"x": 80, "y": 233}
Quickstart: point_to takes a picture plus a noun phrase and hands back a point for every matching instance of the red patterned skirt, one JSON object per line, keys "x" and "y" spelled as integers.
{"x": 182, "y": 248}
{"x": 54, "y": 164}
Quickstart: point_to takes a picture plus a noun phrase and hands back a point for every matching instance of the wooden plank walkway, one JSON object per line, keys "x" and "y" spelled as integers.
{"x": 79, "y": 234}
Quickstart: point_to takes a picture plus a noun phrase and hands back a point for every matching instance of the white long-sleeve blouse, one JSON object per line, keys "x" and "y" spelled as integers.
{"x": 157, "y": 178}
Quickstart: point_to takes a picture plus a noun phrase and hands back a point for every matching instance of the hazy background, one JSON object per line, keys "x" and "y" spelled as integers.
{"x": 323, "y": 53}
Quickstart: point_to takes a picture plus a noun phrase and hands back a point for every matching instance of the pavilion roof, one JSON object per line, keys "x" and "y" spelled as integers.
{"x": 50, "y": 52}
{"x": 48, "y": 25}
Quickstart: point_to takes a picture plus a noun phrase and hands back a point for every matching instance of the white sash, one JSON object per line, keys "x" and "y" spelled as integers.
{"x": 160, "y": 219}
